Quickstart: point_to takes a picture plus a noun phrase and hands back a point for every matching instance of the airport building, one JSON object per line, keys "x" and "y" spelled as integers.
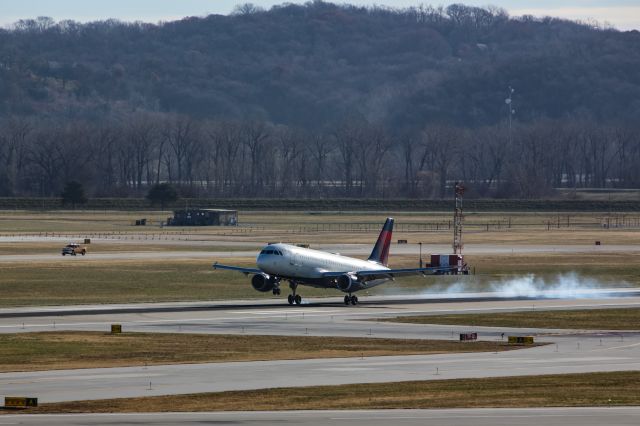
{"x": 203, "y": 217}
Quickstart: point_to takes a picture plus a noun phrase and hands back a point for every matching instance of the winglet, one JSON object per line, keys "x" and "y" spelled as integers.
{"x": 380, "y": 253}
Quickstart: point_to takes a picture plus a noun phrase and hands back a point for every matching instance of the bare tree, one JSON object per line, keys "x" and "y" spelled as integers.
{"x": 181, "y": 136}
{"x": 43, "y": 152}
{"x": 105, "y": 145}
{"x": 320, "y": 149}
{"x": 441, "y": 149}
{"x": 13, "y": 145}
{"x": 141, "y": 134}
{"x": 254, "y": 137}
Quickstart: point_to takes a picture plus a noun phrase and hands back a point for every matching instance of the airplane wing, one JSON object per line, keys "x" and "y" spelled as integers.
{"x": 245, "y": 271}
{"x": 391, "y": 273}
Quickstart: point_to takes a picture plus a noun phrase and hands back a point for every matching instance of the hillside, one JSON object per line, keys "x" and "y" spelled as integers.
{"x": 320, "y": 101}
{"x": 309, "y": 66}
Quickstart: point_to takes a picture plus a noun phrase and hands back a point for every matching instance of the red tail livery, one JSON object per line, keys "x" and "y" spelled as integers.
{"x": 380, "y": 253}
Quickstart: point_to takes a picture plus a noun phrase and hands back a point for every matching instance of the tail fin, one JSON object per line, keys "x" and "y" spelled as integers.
{"x": 380, "y": 251}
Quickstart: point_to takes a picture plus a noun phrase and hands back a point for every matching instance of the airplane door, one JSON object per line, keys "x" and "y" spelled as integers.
{"x": 294, "y": 262}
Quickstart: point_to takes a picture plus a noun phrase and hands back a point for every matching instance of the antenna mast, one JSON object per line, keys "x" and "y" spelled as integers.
{"x": 458, "y": 219}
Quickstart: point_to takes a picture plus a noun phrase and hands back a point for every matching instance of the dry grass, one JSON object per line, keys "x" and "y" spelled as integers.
{"x": 66, "y": 350}
{"x": 76, "y": 221}
{"x": 570, "y": 390}
{"x": 114, "y": 247}
{"x": 525, "y": 228}
{"x": 63, "y": 283}
{"x": 117, "y": 281}
{"x": 150, "y": 280}
{"x": 586, "y": 319}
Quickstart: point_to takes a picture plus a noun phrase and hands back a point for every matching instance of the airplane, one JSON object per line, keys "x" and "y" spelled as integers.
{"x": 320, "y": 269}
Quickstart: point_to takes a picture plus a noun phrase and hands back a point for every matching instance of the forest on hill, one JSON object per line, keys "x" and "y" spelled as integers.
{"x": 320, "y": 100}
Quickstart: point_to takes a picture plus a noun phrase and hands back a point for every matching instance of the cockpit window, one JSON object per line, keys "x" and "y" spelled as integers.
{"x": 276, "y": 252}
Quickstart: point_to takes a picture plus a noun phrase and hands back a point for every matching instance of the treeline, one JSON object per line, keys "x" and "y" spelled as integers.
{"x": 617, "y": 210}
{"x": 320, "y": 101}
{"x": 255, "y": 159}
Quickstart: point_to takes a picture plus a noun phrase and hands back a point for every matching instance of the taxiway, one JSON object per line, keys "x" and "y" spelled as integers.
{"x": 569, "y": 351}
{"x": 583, "y": 416}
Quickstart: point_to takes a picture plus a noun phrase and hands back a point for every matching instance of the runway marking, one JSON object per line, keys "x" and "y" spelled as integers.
{"x": 471, "y": 415}
{"x": 539, "y": 308}
{"x": 280, "y": 315}
{"x": 57, "y": 377}
{"x": 287, "y": 311}
{"x": 294, "y": 314}
{"x": 616, "y": 347}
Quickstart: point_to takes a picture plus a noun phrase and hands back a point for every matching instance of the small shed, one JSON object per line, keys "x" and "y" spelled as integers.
{"x": 203, "y": 217}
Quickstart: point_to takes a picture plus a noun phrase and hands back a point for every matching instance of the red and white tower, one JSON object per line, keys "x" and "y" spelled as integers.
{"x": 458, "y": 219}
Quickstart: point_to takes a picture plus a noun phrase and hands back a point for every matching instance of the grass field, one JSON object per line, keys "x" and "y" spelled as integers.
{"x": 73, "y": 282}
{"x": 118, "y": 281}
{"x": 570, "y": 390}
{"x": 313, "y": 227}
{"x": 66, "y": 350}
{"x": 112, "y": 247}
{"x": 587, "y": 319}
{"x": 162, "y": 280}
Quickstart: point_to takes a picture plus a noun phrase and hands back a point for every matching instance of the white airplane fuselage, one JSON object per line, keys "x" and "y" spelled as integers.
{"x": 309, "y": 266}
{"x": 303, "y": 266}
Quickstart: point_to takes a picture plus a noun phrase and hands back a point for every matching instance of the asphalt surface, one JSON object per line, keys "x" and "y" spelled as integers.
{"x": 583, "y": 416}
{"x": 571, "y": 351}
{"x": 345, "y": 249}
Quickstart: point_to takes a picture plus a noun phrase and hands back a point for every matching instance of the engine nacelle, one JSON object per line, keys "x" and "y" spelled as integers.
{"x": 263, "y": 282}
{"x": 346, "y": 282}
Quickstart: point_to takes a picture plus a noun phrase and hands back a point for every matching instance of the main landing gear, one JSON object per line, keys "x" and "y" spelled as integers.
{"x": 351, "y": 299}
{"x": 294, "y": 298}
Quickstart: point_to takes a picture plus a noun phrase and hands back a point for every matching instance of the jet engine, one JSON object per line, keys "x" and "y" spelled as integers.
{"x": 346, "y": 282}
{"x": 263, "y": 282}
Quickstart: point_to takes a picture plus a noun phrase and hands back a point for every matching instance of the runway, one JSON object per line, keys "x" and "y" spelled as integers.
{"x": 268, "y": 302}
{"x": 583, "y": 416}
{"x": 571, "y": 351}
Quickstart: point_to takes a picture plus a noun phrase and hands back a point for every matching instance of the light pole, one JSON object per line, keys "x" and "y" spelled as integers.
{"x": 420, "y": 245}
{"x": 511, "y": 111}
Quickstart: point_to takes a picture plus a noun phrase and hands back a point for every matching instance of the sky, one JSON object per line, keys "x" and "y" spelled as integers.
{"x": 622, "y": 14}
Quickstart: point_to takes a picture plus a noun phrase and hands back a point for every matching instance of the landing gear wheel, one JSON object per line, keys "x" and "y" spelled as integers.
{"x": 347, "y": 300}
{"x": 354, "y": 300}
{"x": 276, "y": 291}
{"x": 294, "y": 298}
